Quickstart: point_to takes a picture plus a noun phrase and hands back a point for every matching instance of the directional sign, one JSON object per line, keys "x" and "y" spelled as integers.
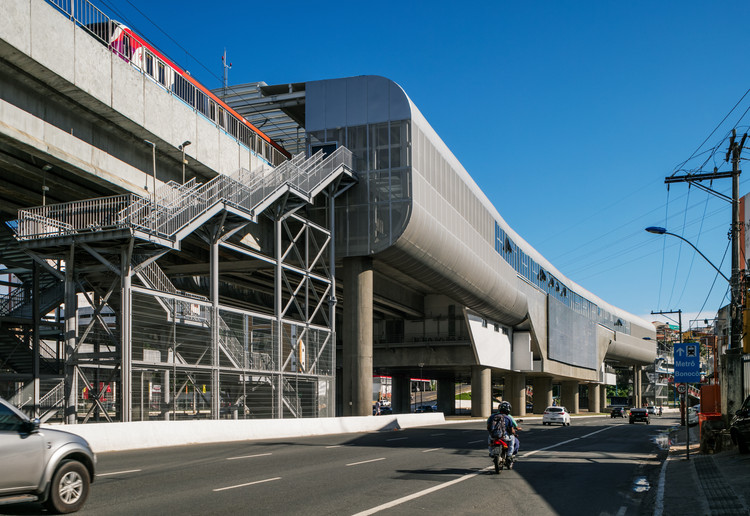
{"x": 687, "y": 363}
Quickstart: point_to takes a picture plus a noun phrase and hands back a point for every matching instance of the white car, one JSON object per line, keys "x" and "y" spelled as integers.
{"x": 556, "y": 415}
{"x": 692, "y": 414}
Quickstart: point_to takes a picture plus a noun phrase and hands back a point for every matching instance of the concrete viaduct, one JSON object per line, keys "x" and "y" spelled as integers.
{"x": 213, "y": 277}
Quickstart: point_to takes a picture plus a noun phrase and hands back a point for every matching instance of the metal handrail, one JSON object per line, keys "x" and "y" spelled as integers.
{"x": 175, "y": 210}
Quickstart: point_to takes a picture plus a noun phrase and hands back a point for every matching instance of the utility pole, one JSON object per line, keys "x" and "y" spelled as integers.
{"x": 736, "y": 281}
{"x": 226, "y": 68}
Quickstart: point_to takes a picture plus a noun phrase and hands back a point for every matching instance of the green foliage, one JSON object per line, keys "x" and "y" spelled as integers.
{"x": 464, "y": 396}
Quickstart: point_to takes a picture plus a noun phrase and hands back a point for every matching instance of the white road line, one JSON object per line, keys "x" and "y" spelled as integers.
{"x": 334, "y": 446}
{"x": 118, "y": 472}
{"x": 565, "y": 442}
{"x": 366, "y": 461}
{"x": 602, "y": 430}
{"x": 249, "y": 456}
{"x": 248, "y": 484}
{"x": 419, "y": 494}
{"x": 622, "y": 511}
{"x": 431, "y": 449}
{"x": 435, "y": 435}
{"x": 479, "y": 441}
{"x": 659, "y": 502}
{"x": 397, "y": 439}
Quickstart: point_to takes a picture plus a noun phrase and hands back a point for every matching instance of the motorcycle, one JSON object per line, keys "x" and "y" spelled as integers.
{"x": 501, "y": 453}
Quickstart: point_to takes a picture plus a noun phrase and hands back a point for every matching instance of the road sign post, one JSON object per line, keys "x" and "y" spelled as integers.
{"x": 687, "y": 369}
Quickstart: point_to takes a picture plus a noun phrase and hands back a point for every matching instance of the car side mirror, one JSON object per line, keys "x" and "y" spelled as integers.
{"x": 32, "y": 426}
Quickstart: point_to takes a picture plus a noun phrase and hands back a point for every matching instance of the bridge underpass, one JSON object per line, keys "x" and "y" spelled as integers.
{"x": 412, "y": 239}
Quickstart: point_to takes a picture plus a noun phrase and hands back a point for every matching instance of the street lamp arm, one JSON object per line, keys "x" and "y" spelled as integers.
{"x": 662, "y": 231}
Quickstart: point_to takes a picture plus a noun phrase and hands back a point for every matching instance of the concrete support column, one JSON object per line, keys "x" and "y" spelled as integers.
{"x": 515, "y": 393}
{"x": 594, "y": 398}
{"x": 357, "y": 352}
{"x": 401, "y": 394}
{"x": 569, "y": 396}
{"x": 604, "y": 397}
{"x": 542, "y": 397}
{"x": 446, "y": 396}
{"x": 481, "y": 391}
{"x": 636, "y": 386}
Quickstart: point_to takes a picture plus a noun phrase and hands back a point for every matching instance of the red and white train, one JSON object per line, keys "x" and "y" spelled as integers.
{"x": 141, "y": 54}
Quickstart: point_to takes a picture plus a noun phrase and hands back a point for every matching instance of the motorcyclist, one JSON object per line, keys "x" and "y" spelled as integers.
{"x": 511, "y": 425}
{"x": 505, "y": 408}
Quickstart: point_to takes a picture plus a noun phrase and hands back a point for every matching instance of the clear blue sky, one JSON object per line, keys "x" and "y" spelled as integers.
{"x": 569, "y": 115}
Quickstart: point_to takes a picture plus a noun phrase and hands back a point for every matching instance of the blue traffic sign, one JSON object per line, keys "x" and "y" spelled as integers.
{"x": 687, "y": 362}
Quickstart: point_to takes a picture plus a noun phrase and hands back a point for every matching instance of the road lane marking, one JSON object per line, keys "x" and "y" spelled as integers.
{"x": 431, "y": 449}
{"x": 592, "y": 433}
{"x": 659, "y": 502}
{"x": 366, "y": 461}
{"x": 565, "y": 442}
{"x": 419, "y": 494}
{"x": 397, "y": 439}
{"x": 334, "y": 446}
{"x": 479, "y": 441}
{"x": 118, "y": 472}
{"x": 435, "y": 435}
{"x": 249, "y": 456}
{"x": 248, "y": 484}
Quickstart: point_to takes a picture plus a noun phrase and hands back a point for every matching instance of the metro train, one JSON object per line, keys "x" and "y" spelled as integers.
{"x": 141, "y": 54}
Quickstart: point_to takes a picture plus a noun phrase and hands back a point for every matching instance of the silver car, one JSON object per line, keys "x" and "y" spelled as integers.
{"x": 45, "y": 465}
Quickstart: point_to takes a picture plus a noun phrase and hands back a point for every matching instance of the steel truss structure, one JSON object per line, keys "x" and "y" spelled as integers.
{"x": 208, "y": 301}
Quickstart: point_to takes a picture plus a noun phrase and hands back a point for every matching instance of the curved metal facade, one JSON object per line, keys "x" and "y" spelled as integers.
{"x": 417, "y": 209}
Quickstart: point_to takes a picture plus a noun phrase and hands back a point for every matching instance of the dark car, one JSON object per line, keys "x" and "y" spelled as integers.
{"x": 617, "y": 412}
{"x": 739, "y": 427}
{"x": 639, "y": 414}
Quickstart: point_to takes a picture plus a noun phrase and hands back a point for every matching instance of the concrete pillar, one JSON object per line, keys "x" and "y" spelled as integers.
{"x": 569, "y": 396}
{"x": 357, "y": 338}
{"x": 515, "y": 393}
{"x": 594, "y": 397}
{"x": 401, "y": 394}
{"x": 481, "y": 391}
{"x": 542, "y": 397}
{"x": 636, "y": 386}
{"x": 603, "y": 401}
{"x": 446, "y": 396}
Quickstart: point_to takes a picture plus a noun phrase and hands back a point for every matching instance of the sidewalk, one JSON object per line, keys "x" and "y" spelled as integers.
{"x": 710, "y": 484}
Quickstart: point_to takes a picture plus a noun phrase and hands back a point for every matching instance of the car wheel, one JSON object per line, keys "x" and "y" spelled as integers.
{"x": 69, "y": 487}
{"x": 568, "y": 423}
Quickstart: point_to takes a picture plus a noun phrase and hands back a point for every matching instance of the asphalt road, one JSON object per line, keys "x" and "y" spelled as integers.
{"x": 597, "y": 466}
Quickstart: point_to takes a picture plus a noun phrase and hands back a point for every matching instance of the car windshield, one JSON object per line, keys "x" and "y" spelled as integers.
{"x": 554, "y": 409}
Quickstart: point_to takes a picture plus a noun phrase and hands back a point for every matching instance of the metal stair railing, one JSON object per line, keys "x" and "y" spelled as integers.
{"x": 47, "y": 299}
{"x": 177, "y": 205}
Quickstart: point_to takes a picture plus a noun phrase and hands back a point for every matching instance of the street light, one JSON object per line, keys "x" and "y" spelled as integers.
{"x": 662, "y": 231}
{"x": 182, "y": 148}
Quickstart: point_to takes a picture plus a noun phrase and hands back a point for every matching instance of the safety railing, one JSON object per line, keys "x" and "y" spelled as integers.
{"x": 244, "y": 190}
{"x": 133, "y": 48}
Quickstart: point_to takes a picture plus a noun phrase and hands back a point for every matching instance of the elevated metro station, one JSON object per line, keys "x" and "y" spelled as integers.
{"x": 167, "y": 258}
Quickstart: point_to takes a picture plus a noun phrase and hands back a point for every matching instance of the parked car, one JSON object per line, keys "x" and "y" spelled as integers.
{"x": 50, "y": 466}
{"x": 692, "y": 414}
{"x": 639, "y": 414}
{"x": 556, "y": 415}
{"x": 651, "y": 410}
{"x": 617, "y": 412}
{"x": 739, "y": 427}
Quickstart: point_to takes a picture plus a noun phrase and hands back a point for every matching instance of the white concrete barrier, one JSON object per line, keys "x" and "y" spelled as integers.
{"x": 106, "y": 437}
